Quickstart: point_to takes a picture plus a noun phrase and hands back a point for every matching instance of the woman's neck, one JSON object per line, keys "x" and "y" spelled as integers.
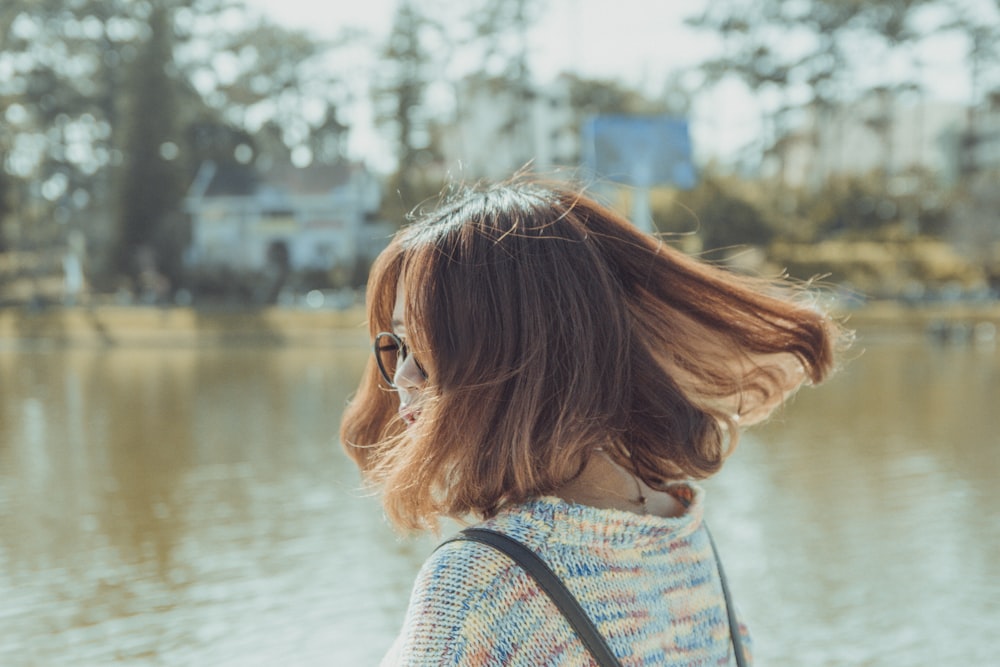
{"x": 606, "y": 485}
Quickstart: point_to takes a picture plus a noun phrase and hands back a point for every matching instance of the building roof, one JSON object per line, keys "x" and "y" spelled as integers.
{"x": 315, "y": 179}
{"x": 231, "y": 180}
{"x": 236, "y": 180}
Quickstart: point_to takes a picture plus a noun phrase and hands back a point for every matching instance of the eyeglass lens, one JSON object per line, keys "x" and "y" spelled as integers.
{"x": 389, "y": 351}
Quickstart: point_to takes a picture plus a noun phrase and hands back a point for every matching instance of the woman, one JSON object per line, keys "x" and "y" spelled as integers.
{"x": 544, "y": 368}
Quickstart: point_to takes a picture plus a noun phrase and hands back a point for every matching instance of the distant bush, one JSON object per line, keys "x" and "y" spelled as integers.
{"x": 880, "y": 268}
{"x": 718, "y": 212}
{"x": 873, "y": 206}
{"x": 726, "y": 211}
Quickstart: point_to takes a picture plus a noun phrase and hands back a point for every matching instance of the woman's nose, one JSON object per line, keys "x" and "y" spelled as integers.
{"x": 408, "y": 374}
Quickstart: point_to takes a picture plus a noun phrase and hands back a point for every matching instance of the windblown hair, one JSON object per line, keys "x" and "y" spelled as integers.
{"x": 549, "y": 326}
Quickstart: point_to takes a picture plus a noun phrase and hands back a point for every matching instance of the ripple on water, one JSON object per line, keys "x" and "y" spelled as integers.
{"x": 191, "y": 507}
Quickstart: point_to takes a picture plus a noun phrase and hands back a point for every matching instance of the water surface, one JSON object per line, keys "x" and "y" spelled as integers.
{"x": 192, "y": 507}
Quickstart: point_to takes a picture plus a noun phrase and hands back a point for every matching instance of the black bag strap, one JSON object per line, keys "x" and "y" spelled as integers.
{"x": 734, "y": 625}
{"x": 551, "y": 584}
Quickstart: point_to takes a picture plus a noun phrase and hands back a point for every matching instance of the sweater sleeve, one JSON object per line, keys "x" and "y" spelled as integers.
{"x": 471, "y": 605}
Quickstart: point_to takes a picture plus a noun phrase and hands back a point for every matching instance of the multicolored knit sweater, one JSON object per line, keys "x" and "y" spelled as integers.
{"x": 650, "y": 585}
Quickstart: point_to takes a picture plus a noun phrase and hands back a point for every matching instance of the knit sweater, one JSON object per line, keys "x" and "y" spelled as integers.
{"x": 649, "y": 584}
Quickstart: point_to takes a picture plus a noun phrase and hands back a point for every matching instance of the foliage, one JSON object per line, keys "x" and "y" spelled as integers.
{"x": 599, "y": 96}
{"x": 434, "y": 50}
{"x": 881, "y": 269}
{"x": 725, "y": 211}
{"x": 872, "y": 206}
{"x": 807, "y": 58}
{"x": 718, "y": 212}
{"x": 410, "y": 67}
{"x": 4, "y": 205}
{"x": 151, "y": 188}
{"x": 500, "y": 34}
{"x": 277, "y": 86}
{"x": 423, "y": 188}
{"x": 110, "y": 106}
{"x": 884, "y": 238}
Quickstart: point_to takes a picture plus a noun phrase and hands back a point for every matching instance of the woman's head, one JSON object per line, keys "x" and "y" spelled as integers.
{"x": 544, "y": 326}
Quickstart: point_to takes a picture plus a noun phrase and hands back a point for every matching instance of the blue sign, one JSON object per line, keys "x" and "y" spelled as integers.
{"x": 643, "y": 151}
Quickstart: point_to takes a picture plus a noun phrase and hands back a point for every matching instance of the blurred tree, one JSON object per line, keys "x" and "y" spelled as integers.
{"x": 718, "y": 213}
{"x": 596, "y": 96}
{"x": 279, "y": 81}
{"x": 854, "y": 207}
{"x": 408, "y": 69}
{"x": 4, "y": 201}
{"x": 753, "y": 55}
{"x": 803, "y": 55}
{"x": 110, "y": 105}
{"x": 148, "y": 239}
{"x": 982, "y": 33}
{"x": 500, "y": 36}
{"x": 58, "y": 95}
{"x": 327, "y": 141}
{"x": 211, "y": 138}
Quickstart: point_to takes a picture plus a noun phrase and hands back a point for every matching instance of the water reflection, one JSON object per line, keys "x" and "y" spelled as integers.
{"x": 184, "y": 507}
{"x": 861, "y": 523}
{"x": 191, "y": 506}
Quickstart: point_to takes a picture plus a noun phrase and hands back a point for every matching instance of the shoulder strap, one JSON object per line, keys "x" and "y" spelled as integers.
{"x": 734, "y": 626}
{"x": 551, "y": 584}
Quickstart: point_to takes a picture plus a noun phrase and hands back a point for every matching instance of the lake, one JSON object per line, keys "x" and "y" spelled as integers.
{"x": 192, "y": 506}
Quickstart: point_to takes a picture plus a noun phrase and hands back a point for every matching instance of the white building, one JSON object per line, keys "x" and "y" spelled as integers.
{"x": 312, "y": 218}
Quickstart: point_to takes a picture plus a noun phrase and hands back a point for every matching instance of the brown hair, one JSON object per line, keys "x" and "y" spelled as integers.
{"x": 548, "y": 326}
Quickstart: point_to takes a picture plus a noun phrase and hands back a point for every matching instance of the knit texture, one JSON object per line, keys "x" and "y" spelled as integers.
{"x": 649, "y": 584}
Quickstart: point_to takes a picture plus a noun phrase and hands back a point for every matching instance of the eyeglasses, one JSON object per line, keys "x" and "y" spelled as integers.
{"x": 390, "y": 353}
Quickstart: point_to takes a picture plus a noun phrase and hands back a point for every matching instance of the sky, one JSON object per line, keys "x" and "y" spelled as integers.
{"x": 645, "y": 37}
{"x": 638, "y": 42}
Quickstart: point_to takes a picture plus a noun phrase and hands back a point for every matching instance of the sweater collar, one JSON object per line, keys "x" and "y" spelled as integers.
{"x": 551, "y": 520}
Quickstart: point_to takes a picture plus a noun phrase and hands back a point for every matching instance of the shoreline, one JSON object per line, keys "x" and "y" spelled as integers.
{"x": 175, "y": 326}
{"x": 110, "y": 326}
